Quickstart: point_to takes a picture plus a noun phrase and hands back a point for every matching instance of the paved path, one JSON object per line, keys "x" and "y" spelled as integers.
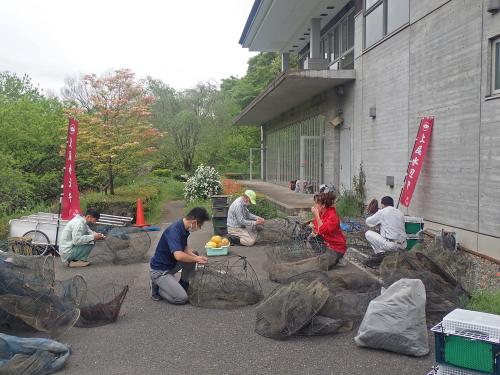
{"x": 158, "y": 338}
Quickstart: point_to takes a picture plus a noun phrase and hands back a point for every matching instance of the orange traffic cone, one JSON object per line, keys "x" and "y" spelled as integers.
{"x": 139, "y": 217}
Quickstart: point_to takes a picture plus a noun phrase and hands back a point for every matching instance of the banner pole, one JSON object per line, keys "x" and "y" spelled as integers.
{"x": 61, "y": 194}
{"x": 409, "y": 161}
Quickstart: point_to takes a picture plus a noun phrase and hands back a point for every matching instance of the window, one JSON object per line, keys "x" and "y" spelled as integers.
{"x": 382, "y": 17}
{"x": 339, "y": 41}
{"x": 398, "y": 14}
{"x": 374, "y": 26}
{"x": 495, "y": 81}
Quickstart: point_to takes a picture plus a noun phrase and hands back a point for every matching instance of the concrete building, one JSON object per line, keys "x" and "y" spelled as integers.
{"x": 369, "y": 70}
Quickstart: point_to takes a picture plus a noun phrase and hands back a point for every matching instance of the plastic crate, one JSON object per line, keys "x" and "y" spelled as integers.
{"x": 220, "y": 231}
{"x": 412, "y": 240}
{"x": 414, "y": 225}
{"x": 461, "y": 322}
{"x": 220, "y": 211}
{"x": 450, "y": 370}
{"x": 220, "y": 200}
{"x": 212, "y": 252}
{"x": 470, "y": 353}
{"x": 219, "y": 222}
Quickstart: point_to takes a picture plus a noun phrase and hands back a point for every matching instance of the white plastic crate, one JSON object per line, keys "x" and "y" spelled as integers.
{"x": 450, "y": 370}
{"x": 464, "y": 322}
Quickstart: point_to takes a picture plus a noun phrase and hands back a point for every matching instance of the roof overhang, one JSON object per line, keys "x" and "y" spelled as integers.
{"x": 283, "y": 25}
{"x": 290, "y": 90}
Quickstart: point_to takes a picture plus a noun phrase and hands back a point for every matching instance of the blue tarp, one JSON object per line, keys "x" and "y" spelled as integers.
{"x": 31, "y": 356}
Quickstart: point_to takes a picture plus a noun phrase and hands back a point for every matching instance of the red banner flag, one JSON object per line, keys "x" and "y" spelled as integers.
{"x": 416, "y": 160}
{"x": 71, "y": 198}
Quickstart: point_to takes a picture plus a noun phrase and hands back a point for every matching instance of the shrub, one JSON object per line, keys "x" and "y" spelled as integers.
{"x": 348, "y": 204}
{"x": 485, "y": 301}
{"x": 162, "y": 172}
{"x": 264, "y": 208}
{"x": 205, "y": 183}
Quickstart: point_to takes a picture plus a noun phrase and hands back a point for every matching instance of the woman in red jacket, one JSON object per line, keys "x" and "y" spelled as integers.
{"x": 327, "y": 234}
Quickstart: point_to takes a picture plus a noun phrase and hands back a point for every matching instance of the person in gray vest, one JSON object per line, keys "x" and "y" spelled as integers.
{"x": 77, "y": 239}
{"x": 392, "y": 234}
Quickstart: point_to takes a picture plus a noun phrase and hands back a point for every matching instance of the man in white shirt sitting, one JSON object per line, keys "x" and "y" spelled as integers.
{"x": 392, "y": 234}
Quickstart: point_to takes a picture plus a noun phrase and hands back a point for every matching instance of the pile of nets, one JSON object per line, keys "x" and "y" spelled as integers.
{"x": 280, "y": 230}
{"x": 354, "y": 230}
{"x": 122, "y": 245}
{"x": 31, "y": 356}
{"x": 31, "y": 298}
{"x": 225, "y": 284}
{"x": 313, "y": 304}
{"x": 297, "y": 255}
{"x": 438, "y": 268}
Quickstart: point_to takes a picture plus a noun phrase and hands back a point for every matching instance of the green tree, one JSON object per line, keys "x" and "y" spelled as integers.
{"x": 115, "y": 133}
{"x": 32, "y": 128}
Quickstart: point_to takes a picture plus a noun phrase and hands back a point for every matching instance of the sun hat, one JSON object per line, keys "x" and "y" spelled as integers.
{"x": 251, "y": 194}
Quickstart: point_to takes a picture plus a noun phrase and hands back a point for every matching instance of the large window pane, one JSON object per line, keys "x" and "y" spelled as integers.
{"x": 350, "y": 32}
{"x": 369, "y": 3}
{"x": 374, "y": 26}
{"x": 398, "y": 14}
{"x": 343, "y": 27}
{"x": 336, "y": 42}
{"x": 497, "y": 66}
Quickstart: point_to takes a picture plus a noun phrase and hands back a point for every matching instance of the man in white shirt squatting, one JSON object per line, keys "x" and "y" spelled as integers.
{"x": 392, "y": 235}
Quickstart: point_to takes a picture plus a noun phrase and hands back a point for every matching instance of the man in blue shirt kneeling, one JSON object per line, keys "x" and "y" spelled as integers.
{"x": 172, "y": 255}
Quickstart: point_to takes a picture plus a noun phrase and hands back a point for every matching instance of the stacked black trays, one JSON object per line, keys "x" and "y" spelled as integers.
{"x": 220, "y": 207}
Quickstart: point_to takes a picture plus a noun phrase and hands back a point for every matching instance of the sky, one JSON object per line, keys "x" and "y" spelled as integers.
{"x": 180, "y": 42}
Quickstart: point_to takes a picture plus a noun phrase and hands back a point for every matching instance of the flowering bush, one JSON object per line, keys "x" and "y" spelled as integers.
{"x": 205, "y": 183}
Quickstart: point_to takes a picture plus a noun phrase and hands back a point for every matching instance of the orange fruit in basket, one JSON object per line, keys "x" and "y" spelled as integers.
{"x": 211, "y": 244}
{"x": 224, "y": 242}
{"x": 216, "y": 239}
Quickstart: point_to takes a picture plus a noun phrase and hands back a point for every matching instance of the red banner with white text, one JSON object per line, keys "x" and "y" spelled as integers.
{"x": 71, "y": 198}
{"x": 416, "y": 159}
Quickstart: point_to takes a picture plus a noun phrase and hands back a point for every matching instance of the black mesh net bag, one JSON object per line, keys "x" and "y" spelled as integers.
{"x": 122, "y": 245}
{"x": 276, "y": 231}
{"x": 225, "y": 284}
{"x": 27, "y": 296}
{"x": 102, "y": 306}
{"x": 292, "y": 258}
{"x": 292, "y": 308}
{"x": 315, "y": 303}
{"x": 444, "y": 293}
{"x": 31, "y": 298}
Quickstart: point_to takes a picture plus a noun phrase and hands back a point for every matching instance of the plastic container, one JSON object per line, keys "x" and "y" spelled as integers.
{"x": 412, "y": 240}
{"x": 220, "y": 200}
{"x": 467, "y": 353}
{"x": 414, "y": 225}
{"x": 220, "y": 211}
{"x": 450, "y": 370}
{"x": 219, "y": 221}
{"x": 222, "y": 231}
{"x": 211, "y": 252}
{"x": 463, "y": 322}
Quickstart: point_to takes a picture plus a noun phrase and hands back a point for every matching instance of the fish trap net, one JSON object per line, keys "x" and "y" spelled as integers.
{"x": 225, "y": 284}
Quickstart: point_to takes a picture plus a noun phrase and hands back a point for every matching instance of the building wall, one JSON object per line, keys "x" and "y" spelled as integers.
{"x": 439, "y": 65}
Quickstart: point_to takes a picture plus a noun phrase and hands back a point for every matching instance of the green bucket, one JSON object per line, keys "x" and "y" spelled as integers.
{"x": 414, "y": 225}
